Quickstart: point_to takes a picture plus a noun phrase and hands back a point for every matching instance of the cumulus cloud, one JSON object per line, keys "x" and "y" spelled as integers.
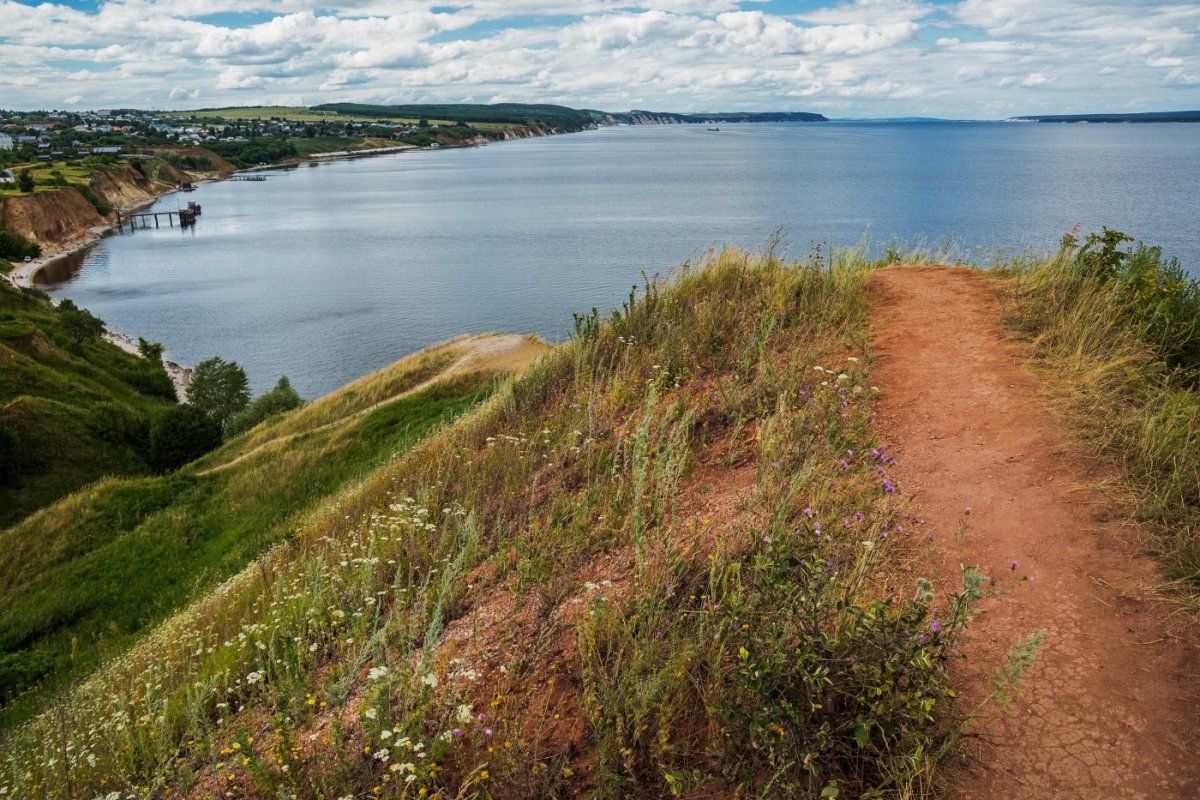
{"x": 845, "y": 57}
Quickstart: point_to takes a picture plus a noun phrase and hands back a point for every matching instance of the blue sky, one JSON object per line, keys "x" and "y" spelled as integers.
{"x": 980, "y": 59}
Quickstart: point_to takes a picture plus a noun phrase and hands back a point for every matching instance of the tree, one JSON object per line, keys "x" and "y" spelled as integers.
{"x": 280, "y": 399}
{"x": 78, "y": 322}
{"x": 25, "y": 181}
{"x": 181, "y": 434}
{"x": 219, "y": 388}
{"x": 151, "y": 351}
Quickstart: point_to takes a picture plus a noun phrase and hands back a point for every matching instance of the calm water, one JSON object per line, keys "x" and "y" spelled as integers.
{"x": 326, "y": 273}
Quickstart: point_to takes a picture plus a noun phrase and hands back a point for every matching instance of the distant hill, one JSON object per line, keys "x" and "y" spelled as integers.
{"x": 1150, "y": 116}
{"x": 641, "y": 117}
{"x": 548, "y": 117}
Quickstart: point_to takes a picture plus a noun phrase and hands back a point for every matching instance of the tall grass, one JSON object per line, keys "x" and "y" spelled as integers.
{"x": 1116, "y": 332}
{"x": 534, "y": 601}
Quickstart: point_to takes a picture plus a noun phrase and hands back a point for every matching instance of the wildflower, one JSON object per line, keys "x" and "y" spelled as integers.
{"x": 967, "y": 511}
{"x": 382, "y": 754}
{"x": 1012, "y": 565}
{"x": 935, "y": 626}
{"x": 808, "y": 512}
{"x": 376, "y": 673}
{"x": 430, "y": 680}
{"x": 487, "y": 731}
{"x": 370, "y": 713}
{"x": 888, "y": 487}
{"x": 255, "y": 677}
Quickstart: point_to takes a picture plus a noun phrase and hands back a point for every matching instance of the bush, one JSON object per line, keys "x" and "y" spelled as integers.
{"x": 25, "y": 181}
{"x": 1159, "y": 299}
{"x": 117, "y": 424}
{"x": 181, "y": 434}
{"x": 280, "y": 399}
{"x": 78, "y": 322}
{"x": 14, "y": 248}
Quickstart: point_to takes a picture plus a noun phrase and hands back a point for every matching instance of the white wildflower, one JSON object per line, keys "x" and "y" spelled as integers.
{"x": 430, "y": 680}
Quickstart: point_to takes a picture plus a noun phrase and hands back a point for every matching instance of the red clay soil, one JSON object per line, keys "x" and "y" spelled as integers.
{"x": 1110, "y": 709}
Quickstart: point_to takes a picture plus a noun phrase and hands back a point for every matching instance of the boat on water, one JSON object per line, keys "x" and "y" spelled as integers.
{"x": 714, "y": 130}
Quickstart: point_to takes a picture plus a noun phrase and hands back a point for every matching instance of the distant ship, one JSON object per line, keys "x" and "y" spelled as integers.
{"x": 714, "y": 129}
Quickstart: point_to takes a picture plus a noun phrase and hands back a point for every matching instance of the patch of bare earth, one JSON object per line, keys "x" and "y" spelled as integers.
{"x": 1110, "y": 709}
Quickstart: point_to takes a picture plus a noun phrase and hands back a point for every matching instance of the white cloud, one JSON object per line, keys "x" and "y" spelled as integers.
{"x": 862, "y": 57}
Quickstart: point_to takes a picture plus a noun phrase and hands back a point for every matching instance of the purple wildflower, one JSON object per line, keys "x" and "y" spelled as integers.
{"x": 808, "y": 512}
{"x": 888, "y": 487}
{"x": 1012, "y": 565}
{"x": 935, "y": 626}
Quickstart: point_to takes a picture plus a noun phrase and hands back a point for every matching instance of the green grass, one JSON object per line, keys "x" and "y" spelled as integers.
{"x": 1115, "y": 332}
{"x": 75, "y": 406}
{"x": 85, "y": 578}
{"x": 562, "y": 591}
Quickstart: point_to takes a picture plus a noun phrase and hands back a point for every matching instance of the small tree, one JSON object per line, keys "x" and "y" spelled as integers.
{"x": 181, "y": 434}
{"x": 219, "y": 388}
{"x": 280, "y": 399}
{"x": 79, "y": 323}
{"x": 151, "y": 351}
{"x": 25, "y": 181}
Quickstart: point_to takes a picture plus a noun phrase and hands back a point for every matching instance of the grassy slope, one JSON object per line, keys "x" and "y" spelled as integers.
{"x": 84, "y": 578}
{"x": 656, "y": 564}
{"x": 51, "y": 391}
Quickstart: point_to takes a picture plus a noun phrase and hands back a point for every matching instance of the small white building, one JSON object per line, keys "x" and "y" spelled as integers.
{"x": 6, "y": 142}
{"x": 6, "y": 176}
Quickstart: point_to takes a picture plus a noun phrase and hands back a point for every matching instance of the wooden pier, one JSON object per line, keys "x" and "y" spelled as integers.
{"x": 185, "y": 216}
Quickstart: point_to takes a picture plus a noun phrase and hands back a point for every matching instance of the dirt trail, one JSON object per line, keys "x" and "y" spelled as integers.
{"x": 1110, "y": 710}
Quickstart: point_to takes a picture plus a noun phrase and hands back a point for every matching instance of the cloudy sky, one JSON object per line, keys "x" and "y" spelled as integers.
{"x": 960, "y": 58}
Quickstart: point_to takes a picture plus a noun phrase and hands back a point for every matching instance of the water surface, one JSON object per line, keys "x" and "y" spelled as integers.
{"x": 328, "y": 272}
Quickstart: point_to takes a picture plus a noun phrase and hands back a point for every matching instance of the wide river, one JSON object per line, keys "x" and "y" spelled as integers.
{"x": 328, "y": 272}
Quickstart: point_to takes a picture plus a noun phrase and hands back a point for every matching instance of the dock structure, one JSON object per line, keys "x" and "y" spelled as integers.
{"x": 185, "y": 216}
{"x": 255, "y": 178}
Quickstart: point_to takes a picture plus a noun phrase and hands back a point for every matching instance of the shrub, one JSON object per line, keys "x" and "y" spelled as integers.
{"x": 25, "y": 181}
{"x": 14, "y": 248}
{"x": 117, "y": 424}
{"x": 181, "y": 434}
{"x": 78, "y": 322}
{"x": 280, "y": 399}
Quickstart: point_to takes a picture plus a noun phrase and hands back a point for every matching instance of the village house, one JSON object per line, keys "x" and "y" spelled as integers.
{"x": 6, "y": 142}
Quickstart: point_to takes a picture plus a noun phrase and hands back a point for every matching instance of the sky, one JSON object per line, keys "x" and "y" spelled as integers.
{"x": 965, "y": 59}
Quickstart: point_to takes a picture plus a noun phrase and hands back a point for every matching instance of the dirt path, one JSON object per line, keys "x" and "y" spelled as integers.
{"x": 1110, "y": 710}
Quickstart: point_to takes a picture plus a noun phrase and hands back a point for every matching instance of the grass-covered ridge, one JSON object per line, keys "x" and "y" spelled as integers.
{"x": 664, "y": 561}
{"x": 86, "y": 577}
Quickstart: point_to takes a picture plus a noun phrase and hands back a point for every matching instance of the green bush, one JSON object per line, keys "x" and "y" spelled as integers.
{"x": 1160, "y": 300}
{"x": 78, "y": 322}
{"x": 280, "y": 399}
{"x": 180, "y": 435}
{"x": 118, "y": 424}
{"x": 14, "y": 248}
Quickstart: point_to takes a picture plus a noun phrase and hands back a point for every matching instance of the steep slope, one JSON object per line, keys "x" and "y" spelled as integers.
{"x": 665, "y": 561}
{"x": 85, "y": 577}
{"x": 80, "y": 409}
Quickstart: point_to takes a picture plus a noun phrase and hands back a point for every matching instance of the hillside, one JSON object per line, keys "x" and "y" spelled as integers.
{"x": 627, "y": 573}
{"x": 79, "y": 408}
{"x": 673, "y": 558}
{"x": 1146, "y": 116}
{"x": 85, "y": 577}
